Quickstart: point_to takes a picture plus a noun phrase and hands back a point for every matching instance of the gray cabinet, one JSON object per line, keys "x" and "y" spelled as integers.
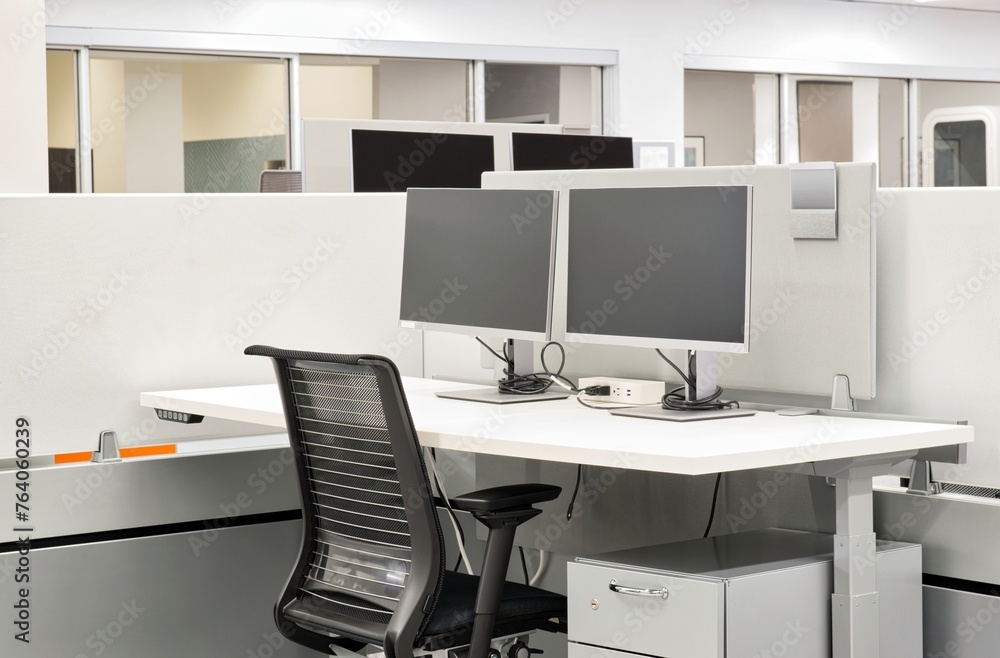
{"x": 752, "y": 594}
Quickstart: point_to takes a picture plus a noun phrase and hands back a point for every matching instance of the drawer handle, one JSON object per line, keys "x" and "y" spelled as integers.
{"x": 638, "y": 591}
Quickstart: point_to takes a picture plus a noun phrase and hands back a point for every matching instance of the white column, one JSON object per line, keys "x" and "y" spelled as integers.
{"x": 23, "y": 109}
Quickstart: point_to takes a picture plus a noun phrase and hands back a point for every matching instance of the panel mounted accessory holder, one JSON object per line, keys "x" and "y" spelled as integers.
{"x": 813, "y": 200}
{"x": 922, "y": 479}
{"x": 107, "y": 449}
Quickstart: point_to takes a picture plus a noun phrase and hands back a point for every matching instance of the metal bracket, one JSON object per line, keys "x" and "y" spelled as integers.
{"x": 922, "y": 479}
{"x": 841, "y": 399}
{"x": 107, "y": 449}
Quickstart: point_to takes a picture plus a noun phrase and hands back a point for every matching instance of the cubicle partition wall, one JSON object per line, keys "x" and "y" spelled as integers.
{"x": 326, "y": 145}
{"x": 107, "y": 296}
{"x": 812, "y": 301}
{"x": 939, "y": 313}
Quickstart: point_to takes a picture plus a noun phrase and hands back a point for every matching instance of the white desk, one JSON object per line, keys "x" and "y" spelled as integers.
{"x": 851, "y": 450}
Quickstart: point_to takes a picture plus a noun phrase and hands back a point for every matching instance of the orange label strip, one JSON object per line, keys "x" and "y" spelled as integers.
{"x": 142, "y": 451}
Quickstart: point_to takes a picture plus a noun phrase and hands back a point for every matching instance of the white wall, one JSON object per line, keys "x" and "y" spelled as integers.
{"x": 719, "y": 106}
{"x": 23, "y": 126}
{"x": 335, "y": 92}
{"x": 228, "y": 100}
{"x": 107, "y": 121}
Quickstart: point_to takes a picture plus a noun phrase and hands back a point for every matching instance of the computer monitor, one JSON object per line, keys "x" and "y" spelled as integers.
{"x": 480, "y": 263}
{"x": 394, "y": 161}
{"x": 660, "y": 267}
{"x": 547, "y": 151}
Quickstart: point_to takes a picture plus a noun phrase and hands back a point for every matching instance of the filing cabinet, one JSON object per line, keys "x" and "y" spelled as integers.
{"x": 749, "y": 595}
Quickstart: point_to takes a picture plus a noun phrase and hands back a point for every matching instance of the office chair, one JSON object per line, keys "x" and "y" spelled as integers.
{"x": 280, "y": 180}
{"x": 371, "y": 568}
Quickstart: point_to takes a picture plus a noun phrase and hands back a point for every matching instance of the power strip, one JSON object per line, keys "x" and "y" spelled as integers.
{"x": 625, "y": 391}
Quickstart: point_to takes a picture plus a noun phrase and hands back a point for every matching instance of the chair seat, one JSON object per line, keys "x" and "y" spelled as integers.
{"x": 523, "y": 608}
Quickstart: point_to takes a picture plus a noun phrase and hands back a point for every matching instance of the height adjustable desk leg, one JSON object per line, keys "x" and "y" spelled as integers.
{"x": 855, "y": 588}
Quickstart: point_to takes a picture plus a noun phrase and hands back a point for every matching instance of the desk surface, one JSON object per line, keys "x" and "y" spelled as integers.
{"x": 565, "y": 431}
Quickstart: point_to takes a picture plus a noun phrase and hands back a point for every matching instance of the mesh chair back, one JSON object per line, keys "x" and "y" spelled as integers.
{"x": 371, "y": 562}
{"x": 277, "y": 180}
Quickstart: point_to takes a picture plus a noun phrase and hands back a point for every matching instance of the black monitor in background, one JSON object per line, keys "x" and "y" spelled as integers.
{"x": 393, "y": 161}
{"x": 548, "y": 151}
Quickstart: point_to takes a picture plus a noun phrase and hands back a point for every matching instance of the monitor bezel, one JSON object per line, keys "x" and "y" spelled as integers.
{"x": 674, "y": 343}
{"x": 497, "y": 332}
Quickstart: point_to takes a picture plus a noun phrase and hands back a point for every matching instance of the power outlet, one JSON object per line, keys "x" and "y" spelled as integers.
{"x": 625, "y": 391}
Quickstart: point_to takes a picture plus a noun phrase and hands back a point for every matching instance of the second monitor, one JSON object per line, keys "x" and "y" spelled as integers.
{"x": 663, "y": 267}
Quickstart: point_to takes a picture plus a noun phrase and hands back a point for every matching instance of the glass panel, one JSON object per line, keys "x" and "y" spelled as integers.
{"x": 180, "y": 123}
{"x": 959, "y": 146}
{"x": 960, "y": 154}
{"x": 892, "y": 156}
{"x": 718, "y": 118}
{"x": 421, "y": 90}
{"x": 826, "y": 126}
{"x": 60, "y": 71}
{"x": 543, "y": 93}
{"x": 336, "y": 87}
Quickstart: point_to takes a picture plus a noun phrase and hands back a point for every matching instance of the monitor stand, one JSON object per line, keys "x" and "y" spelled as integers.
{"x": 703, "y": 372}
{"x": 659, "y": 413}
{"x": 494, "y": 396}
{"x": 520, "y": 352}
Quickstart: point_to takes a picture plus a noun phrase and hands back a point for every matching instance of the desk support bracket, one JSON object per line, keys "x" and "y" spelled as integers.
{"x": 922, "y": 479}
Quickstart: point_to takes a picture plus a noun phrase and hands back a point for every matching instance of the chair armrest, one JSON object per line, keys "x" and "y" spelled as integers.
{"x": 512, "y": 496}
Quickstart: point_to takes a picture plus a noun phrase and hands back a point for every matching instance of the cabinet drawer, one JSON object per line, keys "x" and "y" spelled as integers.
{"x": 687, "y": 624}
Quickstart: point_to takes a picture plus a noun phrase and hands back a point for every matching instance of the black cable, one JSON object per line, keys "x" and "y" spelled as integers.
{"x": 524, "y": 566}
{"x": 676, "y": 399}
{"x": 576, "y": 490}
{"x": 533, "y": 383}
{"x": 715, "y": 499}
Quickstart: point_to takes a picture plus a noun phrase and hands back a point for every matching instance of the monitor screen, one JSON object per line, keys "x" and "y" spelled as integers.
{"x": 393, "y": 161}
{"x": 479, "y": 262}
{"x": 664, "y": 267}
{"x": 545, "y": 151}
